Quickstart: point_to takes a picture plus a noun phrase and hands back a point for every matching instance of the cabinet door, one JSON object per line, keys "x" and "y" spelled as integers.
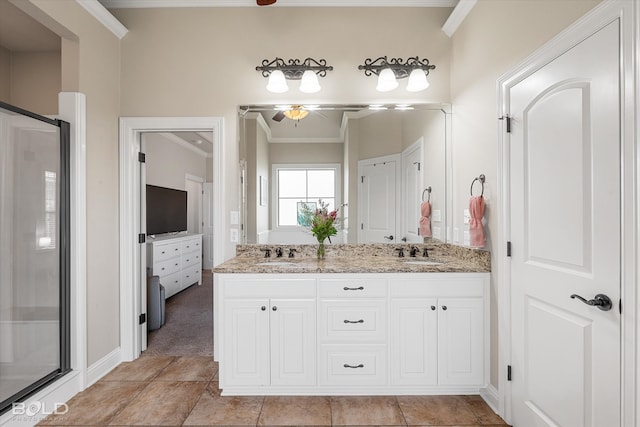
{"x": 293, "y": 342}
{"x": 245, "y": 355}
{"x": 460, "y": 341}
{"x": 414, "y": 338}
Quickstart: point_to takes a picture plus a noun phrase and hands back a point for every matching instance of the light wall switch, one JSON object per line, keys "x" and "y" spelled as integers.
{"x": 437, "y": 215}
{"x": 467, "y": 216}
{"x": 233, "y": 235}
{"x": 456, "y": 234}
{"x": 234, "y": 217}
{"x": 467, "y": 238}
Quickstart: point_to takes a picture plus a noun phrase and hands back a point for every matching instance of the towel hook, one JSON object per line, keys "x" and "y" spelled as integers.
{"x": 480, "y": 178}
{"x": 427, "y": 190}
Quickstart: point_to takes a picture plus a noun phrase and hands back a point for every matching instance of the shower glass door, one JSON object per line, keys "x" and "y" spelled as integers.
{"x": 34, "y": 253}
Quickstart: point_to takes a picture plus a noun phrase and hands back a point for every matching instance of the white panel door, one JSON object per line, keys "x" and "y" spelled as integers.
{"x": 412, "y": 171}
{"x": 207, "y": 225}
{"x": 378, "y": 199}
{"x": 414, "y": 341}
{"x": 565, "y": 232}
{"x": 293, "y": 342}
{"x": 246, "y": 335}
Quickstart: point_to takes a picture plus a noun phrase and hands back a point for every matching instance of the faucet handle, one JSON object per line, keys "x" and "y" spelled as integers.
{"x": 400, "y": 252}
{"x": 267, "y": 253}
{"x": 425, "y": 252}
{"x": 291, "y": 252}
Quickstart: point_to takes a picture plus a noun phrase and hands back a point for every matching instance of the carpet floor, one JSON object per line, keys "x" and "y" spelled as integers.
{"x": 188, "y": 328}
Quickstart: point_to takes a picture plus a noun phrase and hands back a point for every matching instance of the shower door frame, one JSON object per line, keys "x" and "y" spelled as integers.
{"x": 64, "y": 261}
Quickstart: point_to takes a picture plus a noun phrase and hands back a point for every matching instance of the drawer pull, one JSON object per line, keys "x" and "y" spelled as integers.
{"x": 359, "y": 288}
{"x": 433, "y": 307}
{"x": 354, "y": 321}
{"x": 444, "y": 307}
{"x": 162, "y": 252}
{"x": 263, "y": 308}
{"x": 346, "y": 365}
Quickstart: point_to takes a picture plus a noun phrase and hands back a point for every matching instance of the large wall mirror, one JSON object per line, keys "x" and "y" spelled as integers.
{"x": 375, "y": 164}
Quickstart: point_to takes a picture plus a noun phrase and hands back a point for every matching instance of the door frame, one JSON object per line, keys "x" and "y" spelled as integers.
{"x": 629, "y": 15}
{"x": 130, "y": 253}
{"x": 199, "y": 180}
{"x": 418, "y": 146}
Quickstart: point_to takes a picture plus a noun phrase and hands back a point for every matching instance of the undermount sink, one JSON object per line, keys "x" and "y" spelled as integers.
{"x": 422, "y": 262}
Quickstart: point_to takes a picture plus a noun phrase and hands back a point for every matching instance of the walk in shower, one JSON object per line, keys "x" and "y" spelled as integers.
{"x": 34, "y": 253}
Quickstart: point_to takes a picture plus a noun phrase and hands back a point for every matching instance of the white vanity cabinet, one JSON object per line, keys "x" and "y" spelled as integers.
{"x": 269, "y": 333}
{"x": 352, "y": 333}
{"x": 177, "y": 260}
{"x": 438, "y": 331}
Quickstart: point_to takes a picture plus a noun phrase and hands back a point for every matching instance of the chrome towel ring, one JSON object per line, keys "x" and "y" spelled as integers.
{"x": 480, "y": 178}
{"x": 427, "y": 190}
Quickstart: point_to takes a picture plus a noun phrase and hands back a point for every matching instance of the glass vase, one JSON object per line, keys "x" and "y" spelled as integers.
{"x": 321, "y": 250}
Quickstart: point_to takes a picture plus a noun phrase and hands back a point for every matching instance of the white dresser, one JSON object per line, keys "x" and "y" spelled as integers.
{"x": 177, "y": 260}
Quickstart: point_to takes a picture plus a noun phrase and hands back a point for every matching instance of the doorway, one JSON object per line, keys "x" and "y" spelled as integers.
{"x": 132, "y": 274}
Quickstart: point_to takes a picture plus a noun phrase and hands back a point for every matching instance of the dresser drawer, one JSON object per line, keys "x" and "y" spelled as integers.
{"x": 172, "y": 284}
{"x": 164, "y": 268}
{"x": 353, "y": 288}
{"x": 353, "y": 365}
{"x": 192, "y": 258}
{"x": 191, "y": 275}
{"x": 193, "y": 245}
{"x": 353, "y": 321}
{"x": 164, "y": 252}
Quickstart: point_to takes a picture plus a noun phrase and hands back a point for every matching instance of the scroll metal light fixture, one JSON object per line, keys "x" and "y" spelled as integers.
{"x": 307, "y": 71}
{"x": 388, "y": 71}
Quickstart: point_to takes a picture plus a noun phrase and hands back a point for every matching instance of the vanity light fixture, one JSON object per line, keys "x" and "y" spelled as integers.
{"x": 388, "y": 71}
{"x": 307, "y": 71}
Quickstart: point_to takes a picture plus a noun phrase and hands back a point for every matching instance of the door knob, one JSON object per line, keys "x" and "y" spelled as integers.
{"x": 601, "y": 301}
{"x": 389, "y": 237}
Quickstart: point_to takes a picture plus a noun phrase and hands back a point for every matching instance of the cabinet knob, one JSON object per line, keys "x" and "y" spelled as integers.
{"x": 263, "y": 308}
{"x": 433, "y": 307}
{"x": 274, "y": 308}
{"x": 444, "y": 307}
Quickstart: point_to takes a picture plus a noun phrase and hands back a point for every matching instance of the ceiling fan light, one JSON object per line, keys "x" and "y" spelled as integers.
{"x": 386, "y": 81}
{"x": 277, "y": 82}
{"x": 296, "y": 113}
{"x": 417, "y": 81}
{"x": 309, "y": 83}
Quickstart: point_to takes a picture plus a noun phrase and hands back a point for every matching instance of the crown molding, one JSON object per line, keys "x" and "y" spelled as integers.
{"x": 121, "y": 4}
{"x": 181, "y": 142}
{"x": 457, "y": 16}
{"x": 98, "y": 11}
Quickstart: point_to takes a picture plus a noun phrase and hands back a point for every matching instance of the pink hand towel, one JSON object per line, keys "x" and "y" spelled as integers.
{"x": 476, "y": 212}
{"x": 425, "y": 220}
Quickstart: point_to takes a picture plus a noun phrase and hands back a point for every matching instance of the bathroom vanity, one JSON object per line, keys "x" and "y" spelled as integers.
{"x": 353, "y": 323}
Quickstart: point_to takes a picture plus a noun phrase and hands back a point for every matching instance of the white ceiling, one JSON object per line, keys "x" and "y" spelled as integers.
{"x": 203, "y": 141}
{"x": 116, "y": 4}
{"x": 21, "y": 33}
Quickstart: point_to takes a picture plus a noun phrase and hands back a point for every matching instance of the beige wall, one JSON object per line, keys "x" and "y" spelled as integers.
{"x": 36, "y": 81}
{"x": 495, "y": 37}
{"x": 167, "y": 163}
{"x": 92, "y": 66}
{"x": 5, "y": 75}
{"x": 305, "y": 153}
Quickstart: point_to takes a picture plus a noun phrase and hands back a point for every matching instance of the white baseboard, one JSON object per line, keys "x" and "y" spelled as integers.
{"x": 103, "y": 366}
{"x": 490, "y": 395}
{"x": 57, "y": 393}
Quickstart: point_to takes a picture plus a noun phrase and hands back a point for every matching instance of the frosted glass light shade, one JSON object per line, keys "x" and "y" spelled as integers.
{"x": 417, "y": 81}
{"x": 386, "y": 81}
{"x": 309, "y": 83}
{"x": 277, "y": 82}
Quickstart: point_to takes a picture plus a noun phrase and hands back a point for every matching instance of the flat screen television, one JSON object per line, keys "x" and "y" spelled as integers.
{"x": 166, "y": 210}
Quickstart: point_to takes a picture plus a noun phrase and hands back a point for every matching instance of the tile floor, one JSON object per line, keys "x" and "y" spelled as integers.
{"x": 183, "y": 391}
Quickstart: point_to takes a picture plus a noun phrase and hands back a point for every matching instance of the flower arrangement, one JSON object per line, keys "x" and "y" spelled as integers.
{"x": 322, "y": 223}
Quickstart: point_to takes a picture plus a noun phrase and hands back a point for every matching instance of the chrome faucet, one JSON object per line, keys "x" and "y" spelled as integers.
{"x": 413, "y": 251}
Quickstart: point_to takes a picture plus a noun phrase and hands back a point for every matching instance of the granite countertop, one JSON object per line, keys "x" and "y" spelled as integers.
{"x": 360, "y": 258}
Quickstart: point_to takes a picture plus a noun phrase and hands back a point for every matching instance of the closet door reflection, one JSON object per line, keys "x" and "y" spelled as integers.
{"x": 33, "y": 254}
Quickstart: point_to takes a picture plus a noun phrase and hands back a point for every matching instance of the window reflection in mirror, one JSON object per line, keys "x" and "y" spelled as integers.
{"x": 327, "y": 156}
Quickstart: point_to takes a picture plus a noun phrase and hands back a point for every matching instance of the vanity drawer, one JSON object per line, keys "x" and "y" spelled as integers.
{"x": 193, "y": 245}
{"x": 164, "y": 252}
{"x": 353, "y": 365}
{"x": 164, "y": 268}
{"x": 353, "y": 288}
{"x": 190, "y": 259}
{"x": 353, "y": 321}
